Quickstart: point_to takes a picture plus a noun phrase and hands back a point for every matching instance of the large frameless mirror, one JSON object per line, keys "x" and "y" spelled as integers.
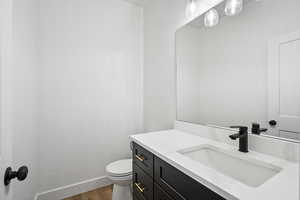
{"x": 244, "y": 69}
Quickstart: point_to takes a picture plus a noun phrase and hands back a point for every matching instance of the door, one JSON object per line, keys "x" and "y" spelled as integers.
{"x": 284, "y": 86}
{"x": 5, "y": 129}
{"x": 9, "y": 146}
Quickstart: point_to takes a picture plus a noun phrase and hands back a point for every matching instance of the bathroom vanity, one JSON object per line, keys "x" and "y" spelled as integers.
{"x": 178, "y": 165}
{"x": 155, "y": 179}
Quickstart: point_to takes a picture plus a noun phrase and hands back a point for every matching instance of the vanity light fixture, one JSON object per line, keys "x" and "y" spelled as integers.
{"x": 191, "y": 9}
{"x": 211, "y": 18}
{"x": 233, "y": 7}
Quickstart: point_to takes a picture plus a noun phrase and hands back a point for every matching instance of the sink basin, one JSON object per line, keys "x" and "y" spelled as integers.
{"x": 246, "y": 170}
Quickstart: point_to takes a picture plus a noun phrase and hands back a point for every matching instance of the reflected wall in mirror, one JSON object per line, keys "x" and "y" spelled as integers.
{"x": 245, "y": 69}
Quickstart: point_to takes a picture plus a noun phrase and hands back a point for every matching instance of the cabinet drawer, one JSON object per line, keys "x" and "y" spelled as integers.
{"x": 143, "y": 158}
{"x": 142, "y": 184}
{"x": 180, "y": 186}
{"x": 135, "y": 198}
{"x": 159, "y": 194}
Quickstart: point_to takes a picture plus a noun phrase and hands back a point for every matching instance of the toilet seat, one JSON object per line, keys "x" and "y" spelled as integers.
{"x": 120, "y": 175}
{"x": 120, "y": 168}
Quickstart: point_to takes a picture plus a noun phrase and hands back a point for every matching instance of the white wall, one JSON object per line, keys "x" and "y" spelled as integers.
{"x": 91, "y": 87}
{"x": 23, "y": 94}
{"x": 161, "y": 19}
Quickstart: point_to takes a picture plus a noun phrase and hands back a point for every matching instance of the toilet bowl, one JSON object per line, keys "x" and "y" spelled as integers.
{"x": 120, "y": 173}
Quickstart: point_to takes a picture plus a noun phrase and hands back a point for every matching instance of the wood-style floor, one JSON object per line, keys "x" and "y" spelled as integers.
{"x": 104, "y": 193}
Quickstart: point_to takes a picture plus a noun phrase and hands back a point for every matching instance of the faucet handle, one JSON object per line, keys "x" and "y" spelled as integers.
{"x": 241, "y": 128}
{"x": 257, "y": 130}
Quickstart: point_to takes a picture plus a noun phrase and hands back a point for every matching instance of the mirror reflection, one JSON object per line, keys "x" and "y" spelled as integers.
{"x": 242, "y": 68}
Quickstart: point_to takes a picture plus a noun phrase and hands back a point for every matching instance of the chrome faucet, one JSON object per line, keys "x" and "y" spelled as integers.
{"x": 243, "y": 137}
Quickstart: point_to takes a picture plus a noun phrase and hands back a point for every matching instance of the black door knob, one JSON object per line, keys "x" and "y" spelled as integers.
{"x": 273, "y": 123}
{"x": 21, "y": 174}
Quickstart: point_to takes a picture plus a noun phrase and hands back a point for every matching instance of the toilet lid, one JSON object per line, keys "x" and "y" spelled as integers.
{"x": 120, "y": 168}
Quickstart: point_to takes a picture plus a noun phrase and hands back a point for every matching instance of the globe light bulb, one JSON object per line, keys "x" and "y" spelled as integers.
{"x": 211, "y": 18}
{"x": 233, "y": 7}
{"x": 191, "y": 9}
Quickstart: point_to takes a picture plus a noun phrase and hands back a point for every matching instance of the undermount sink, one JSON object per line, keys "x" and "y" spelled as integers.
{"x": 246, "y": 170}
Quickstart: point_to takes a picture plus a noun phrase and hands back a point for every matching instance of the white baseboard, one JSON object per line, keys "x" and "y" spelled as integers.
{"x": 73, "y": 189}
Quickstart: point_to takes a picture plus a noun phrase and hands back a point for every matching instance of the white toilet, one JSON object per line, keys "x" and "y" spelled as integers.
{"x": 120, "y": 173}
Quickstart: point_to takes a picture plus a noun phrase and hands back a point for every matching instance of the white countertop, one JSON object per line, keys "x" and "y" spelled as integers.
{"x": 165, "y": 144}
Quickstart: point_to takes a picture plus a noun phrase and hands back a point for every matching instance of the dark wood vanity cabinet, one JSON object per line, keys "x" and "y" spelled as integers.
{"x": 142, "y": 184}
{"x": 159, "y": 194}
{"x": 179, "y": 185}
{"x": 143, "y": 158}
{"x": 155, "y": 179}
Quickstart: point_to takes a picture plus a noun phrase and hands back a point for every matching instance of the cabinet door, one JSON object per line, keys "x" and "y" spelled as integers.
{"x": 180, "y": 186}
{"x": 159, "y": 194}
{"x": 135, "y": 198}
{"x": 143, "y": 158}
{"x": 142, "y": 184}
